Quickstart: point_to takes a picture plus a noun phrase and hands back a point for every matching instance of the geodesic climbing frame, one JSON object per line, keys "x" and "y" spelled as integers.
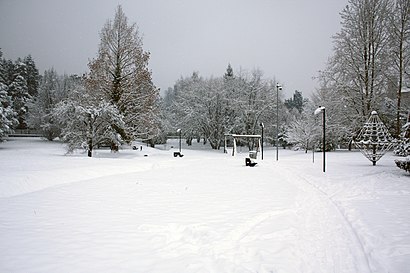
{"x": 374, "y": 140}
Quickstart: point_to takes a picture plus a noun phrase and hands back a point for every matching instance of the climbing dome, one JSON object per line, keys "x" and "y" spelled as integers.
{"x": 374, "y": 140}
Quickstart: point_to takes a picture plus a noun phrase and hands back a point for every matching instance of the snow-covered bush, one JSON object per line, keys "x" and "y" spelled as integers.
{"x": 403, "y": 148}
{"x": 403, "y": 163}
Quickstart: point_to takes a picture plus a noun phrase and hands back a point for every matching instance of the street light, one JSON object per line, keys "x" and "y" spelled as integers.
{"x": 319, "y": 110}
{"x": 179, "y": 131}
{"x": 278, "y": 87}
{"x": 263, "y": 126}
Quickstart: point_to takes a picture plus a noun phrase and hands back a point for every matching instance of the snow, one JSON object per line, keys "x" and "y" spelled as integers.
{"x": 205, "y": 212}
{"x": 319, "y": 110}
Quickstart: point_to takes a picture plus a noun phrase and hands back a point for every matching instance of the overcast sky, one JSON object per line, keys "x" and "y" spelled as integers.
{"x": 289, "y": 40}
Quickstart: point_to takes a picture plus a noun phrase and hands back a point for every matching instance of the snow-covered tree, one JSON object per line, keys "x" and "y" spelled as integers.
{"x": 296, "y": 102}
{"x": 254, "y": 102}
{"x": 7, "y": 114}
{"x": 303, "y": 130}
{"x": 210, "y": 108}
{"x": 399, "y": 30}
{"x": 53, "y": 89}
{"x": 6, "y": 70}
{"x": 2, "y": 68}
{"x": 21, "y": 79}
{"x": 181, "y": 106}
{"x": 120, "y": 75}
{"x": 18, "y": 90}
{"x": 356, "y": 74}
{"x": 42, "y": 105}
{"x": 32, "y": 75}
{"x": 356, "y": 79}
{"x": 214, "y": 115}
{"x": 88, "y": 123}
{"x": 341, "y": 121}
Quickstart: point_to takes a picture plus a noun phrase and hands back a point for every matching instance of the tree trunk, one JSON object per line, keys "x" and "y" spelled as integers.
{"x": 90, "y": 147}
{"x": 398, "y": 127}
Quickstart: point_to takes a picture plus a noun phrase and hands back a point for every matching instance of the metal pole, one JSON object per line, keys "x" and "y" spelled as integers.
{"x": 324, "y": 139}
{"x": 262, "y": 125}
{"x": 225, "y": 145}
{"x": 179, "y": 140}
{"x": 277, "y": 122}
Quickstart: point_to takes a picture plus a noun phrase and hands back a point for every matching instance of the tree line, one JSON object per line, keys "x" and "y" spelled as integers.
{"x": 116, "y": 101}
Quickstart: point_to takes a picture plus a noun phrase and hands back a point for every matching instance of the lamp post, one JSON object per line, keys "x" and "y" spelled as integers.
{"x": 263, "y": 126}
{"x": 278, "y": 87}
{"x": 319, "y": 110}
{"x": 179, "y": 131}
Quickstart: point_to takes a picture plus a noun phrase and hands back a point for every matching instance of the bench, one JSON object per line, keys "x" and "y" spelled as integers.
{"x": 249, "y": 162}
{"x": 178, "y": 154}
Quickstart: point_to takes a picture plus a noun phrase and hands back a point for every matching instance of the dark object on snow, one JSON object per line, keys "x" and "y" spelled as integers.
{"x": 145, "y": 155}
{"x": 135, "y": 148}
{"x": 249, "y": 162}
{"x": 178, "y": 154}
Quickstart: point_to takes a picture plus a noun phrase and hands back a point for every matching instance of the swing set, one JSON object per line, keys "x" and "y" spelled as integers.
{"x": 236, "y": 137}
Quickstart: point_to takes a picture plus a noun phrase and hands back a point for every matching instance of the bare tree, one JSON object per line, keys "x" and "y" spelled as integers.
{"x": 215, "y": 106}
{"x": 357, "y": 68}
{"x": 399, "y": 29}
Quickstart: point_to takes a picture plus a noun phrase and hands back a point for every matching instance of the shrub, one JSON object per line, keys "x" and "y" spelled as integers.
{"x": 403, "y": 163}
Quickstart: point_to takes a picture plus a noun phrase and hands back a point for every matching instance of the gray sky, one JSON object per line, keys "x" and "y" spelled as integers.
{"x": 287, "y": 39}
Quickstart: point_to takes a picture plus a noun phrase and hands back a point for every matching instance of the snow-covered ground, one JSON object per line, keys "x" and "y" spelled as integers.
{"x": 204, "y": 212}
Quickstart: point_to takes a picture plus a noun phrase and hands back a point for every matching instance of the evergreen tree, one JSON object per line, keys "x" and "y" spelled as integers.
{"x": 297, "y": 102}
{"x": 32, "y": 76}
{"x": 2, "y": 69}
{"x": 229, "y": 72}
{"x": 18, "y": 90}
{"x": 7, "y": 113}
{"x": 21, "y": 82}
{"x": 8, "y": 72}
